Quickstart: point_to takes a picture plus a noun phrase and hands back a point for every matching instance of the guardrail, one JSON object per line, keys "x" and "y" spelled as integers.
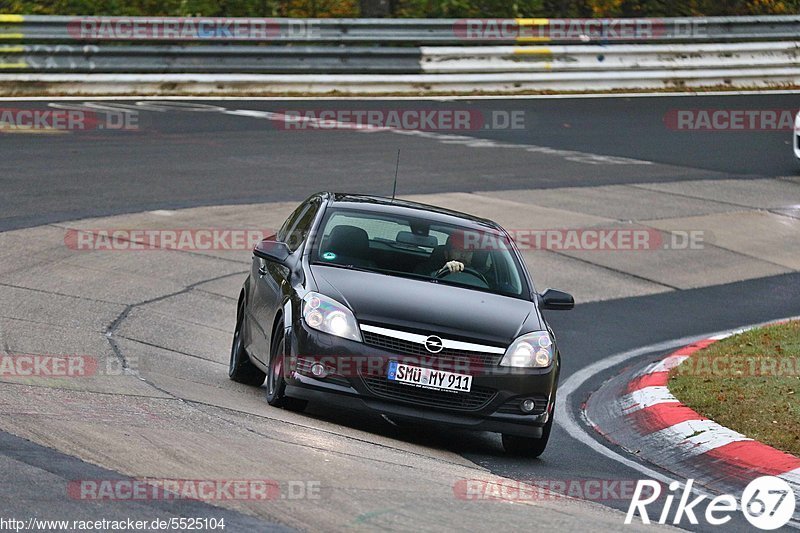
{"x": 204, "y": 58}
{"x": 372, "y": 55}
{"x": 395, "y": 60}
{"x": 71, "y": 30}
{"x": 625, "y": 57}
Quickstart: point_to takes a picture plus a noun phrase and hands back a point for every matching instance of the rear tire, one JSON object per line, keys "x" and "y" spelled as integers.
{"x": 276, "y": 384}
{"x": 528, "y": 446}
{"x": 240, "y": 368}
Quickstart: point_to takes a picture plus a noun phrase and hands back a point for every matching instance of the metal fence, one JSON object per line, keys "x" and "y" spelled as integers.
{"x": 73, "y": 30}
{"x": 396, "y": 60}
{"x": 401, "y": 55}
{"x": 91, "y": 58}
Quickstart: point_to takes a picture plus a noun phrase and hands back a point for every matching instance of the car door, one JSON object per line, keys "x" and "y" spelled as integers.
{"x": 272, "y": 284}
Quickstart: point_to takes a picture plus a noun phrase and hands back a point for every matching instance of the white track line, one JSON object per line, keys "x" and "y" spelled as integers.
{"x": 696, "y": 437}
{"x": 793, "y": 478}
{"x": 692, "y": 437}
{"x": 393, "y": 98}
{"x": 667, "y": 364}
{"x": 644, "y": 398}
{"x": 568, "y": 420}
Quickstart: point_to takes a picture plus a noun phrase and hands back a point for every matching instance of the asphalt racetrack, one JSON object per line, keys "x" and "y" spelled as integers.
{"x": 182, "y": 159}
{"x": 608, "y": 160}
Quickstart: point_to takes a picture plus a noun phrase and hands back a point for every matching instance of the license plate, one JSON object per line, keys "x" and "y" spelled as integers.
{"x": 428, "y": 378}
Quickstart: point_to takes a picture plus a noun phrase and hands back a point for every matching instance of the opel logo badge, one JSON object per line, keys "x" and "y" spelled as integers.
{"x": 433, "y": 344}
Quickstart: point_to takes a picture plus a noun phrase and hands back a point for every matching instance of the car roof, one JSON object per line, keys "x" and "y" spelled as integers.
{"x": 382, "y": 204}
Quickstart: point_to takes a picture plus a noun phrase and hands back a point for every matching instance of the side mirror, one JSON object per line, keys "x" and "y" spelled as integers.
{"x": 557, "y": 300}
{"x": 272, "y": 250}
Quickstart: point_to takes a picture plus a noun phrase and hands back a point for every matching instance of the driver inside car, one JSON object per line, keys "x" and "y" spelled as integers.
{"x": 456, "y": 257}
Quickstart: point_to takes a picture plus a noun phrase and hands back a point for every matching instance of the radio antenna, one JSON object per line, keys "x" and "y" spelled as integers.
{"x": 396, "y": 168}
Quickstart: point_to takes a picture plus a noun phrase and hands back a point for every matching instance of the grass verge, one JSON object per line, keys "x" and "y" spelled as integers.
{"x": 749, "y": 382}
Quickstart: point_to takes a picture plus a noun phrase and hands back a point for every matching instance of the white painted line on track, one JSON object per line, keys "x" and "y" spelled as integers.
{"x": 792, "y": 477}
{"x": 644, "y": 398}
{"x": 448, "y": 138}
{"x": 427, "y": 98}
{"x": 583, "y": 432}
{"x": 695, "y": 437}
{"x": 568, "y": 420}
{"x": 667, "y": 364}
{"x": 328, "y": 124}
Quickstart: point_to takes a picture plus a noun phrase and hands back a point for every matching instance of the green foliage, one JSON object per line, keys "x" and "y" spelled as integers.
{"x": 405, "y": 8}
{"x": 468, "y": 8}
{"x": 688, "y": 8}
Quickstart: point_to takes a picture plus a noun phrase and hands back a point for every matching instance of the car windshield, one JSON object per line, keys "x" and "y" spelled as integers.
{"x": 414, "y": 247}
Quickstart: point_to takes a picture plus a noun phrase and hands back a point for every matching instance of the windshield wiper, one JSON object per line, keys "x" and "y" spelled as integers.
{"x": 341, "y": 265}
{"x": 397, "y": 273}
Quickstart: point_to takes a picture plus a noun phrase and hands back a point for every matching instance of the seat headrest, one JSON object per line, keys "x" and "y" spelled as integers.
{"x": 349, "y": 241}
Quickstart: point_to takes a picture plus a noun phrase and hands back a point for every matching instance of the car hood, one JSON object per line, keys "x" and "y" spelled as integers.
{"x": 427, "y": 307}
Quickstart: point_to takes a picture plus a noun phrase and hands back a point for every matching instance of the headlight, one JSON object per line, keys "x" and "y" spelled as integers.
{"x": 532, "y": 350}
{"x": 329, "y": 316}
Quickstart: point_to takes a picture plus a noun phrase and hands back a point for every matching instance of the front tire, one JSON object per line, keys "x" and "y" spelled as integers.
{"x": 276, "y": 384}
{"x": 240, "y": 368}
{"x": 528, "y": 446}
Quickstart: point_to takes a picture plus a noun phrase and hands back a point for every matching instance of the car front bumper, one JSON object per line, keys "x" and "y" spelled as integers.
{"x": 357, "y": 380}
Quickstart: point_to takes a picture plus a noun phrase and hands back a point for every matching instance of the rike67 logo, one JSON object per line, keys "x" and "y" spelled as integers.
{"x": 767, "y": 503}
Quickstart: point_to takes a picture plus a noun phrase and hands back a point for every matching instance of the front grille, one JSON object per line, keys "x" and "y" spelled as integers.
{"x": 404, "y": 347}
{"x": 511, "y": 407}
{"x": 467, "y": 401}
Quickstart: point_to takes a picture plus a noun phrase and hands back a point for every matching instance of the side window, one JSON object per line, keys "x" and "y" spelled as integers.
{"x": 289, "y": 222}
{"x": 295, "y": 230}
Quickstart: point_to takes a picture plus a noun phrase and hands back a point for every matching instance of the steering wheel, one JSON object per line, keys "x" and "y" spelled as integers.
{"x": 444, "y": 271}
